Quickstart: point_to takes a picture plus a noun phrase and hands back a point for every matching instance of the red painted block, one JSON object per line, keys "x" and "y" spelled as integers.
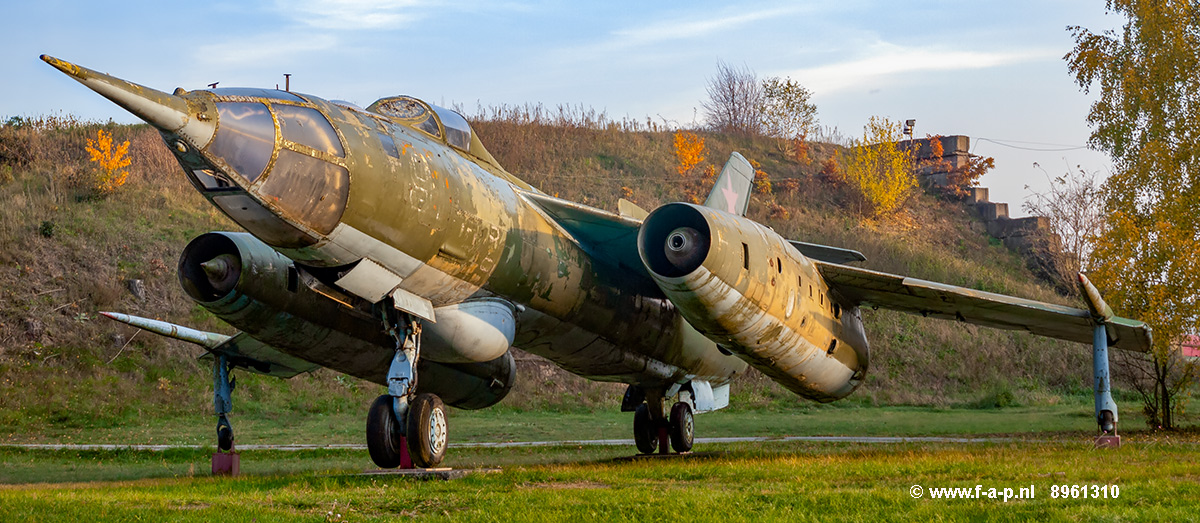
{"x": 1108, "y": 442}
{"x": 226, "y": 464}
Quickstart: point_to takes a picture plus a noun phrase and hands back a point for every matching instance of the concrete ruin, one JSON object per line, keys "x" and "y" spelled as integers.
{"x": 1031, "y": 236}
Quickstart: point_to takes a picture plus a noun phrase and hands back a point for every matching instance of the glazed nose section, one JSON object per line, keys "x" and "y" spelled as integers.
{"x": 167, "y": 112}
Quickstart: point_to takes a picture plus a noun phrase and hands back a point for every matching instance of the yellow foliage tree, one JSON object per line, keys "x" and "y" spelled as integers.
{"x": 689, "y": 151}
{"x": 1145, "y": 258}
{"x": 112, "y": 162}
{"x": 877, "y": 169}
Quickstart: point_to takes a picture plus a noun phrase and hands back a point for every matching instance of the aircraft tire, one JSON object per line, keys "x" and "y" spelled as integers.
{"x": 427, "y": 430}
{"x": 643, "y": 430}
{"x": 224, "y": 436}
{"x": 682, "y": 428}
{"x": 383, "y": 434}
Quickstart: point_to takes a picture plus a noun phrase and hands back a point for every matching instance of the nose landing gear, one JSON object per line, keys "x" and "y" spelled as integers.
{"x": 405, "y": 429}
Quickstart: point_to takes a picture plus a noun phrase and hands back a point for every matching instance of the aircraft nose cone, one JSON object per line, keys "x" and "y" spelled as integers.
{"x": 686, "y": 248}
{"x": 167, "y": 112}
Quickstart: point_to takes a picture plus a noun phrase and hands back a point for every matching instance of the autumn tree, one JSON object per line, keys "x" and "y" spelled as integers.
{"x": 788, "y": 115}
{"x": 1147, "y": 118}
{"x": 735, "y": 101}
{"x": 689, "y": 151}
{"x": 877, "y": 169}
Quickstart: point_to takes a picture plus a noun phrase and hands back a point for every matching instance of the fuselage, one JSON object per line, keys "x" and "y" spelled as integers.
{"x": 449, "y": 223}
{"x": 400, "y": 204}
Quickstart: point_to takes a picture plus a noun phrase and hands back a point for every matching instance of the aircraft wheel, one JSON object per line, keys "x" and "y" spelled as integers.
{"x": 681, "y": 427}
{"x": 644, "y": 433}
{"x": 224, "y": 435}
{"x": 427, "y": 430}
{"x": 1106, "y": 421}
{"x": 383, "y": 434}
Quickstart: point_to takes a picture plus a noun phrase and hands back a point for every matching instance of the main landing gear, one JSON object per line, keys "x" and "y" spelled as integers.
{"x": 654, "y": 429}
{"x": 405, "y": 429}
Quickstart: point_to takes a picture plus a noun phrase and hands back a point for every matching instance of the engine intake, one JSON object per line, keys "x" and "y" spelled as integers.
{"x": 674, "y": 240}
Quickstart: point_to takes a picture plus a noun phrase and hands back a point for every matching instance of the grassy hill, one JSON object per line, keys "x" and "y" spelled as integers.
{"x": 64, "y": 256}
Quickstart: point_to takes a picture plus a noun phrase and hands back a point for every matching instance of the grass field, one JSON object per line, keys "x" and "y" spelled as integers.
{"x": 740, "y": 482}
{"x": 500, "y": 424}
{"x": 796, "y": 481}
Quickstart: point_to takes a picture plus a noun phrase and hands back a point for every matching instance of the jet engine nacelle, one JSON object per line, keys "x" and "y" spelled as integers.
{"x": 257, "y": 290}
{"x": 753, "y": 294}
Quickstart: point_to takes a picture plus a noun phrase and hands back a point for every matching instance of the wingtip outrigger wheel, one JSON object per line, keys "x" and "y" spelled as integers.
{"x": 225, "y": 461}
{"x": 1106, "y": 408}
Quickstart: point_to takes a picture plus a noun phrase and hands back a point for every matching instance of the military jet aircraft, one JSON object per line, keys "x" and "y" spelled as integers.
{"x": 386, "y": 243}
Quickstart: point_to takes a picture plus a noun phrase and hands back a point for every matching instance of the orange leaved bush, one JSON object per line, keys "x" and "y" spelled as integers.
{"x": 111, "y": 160}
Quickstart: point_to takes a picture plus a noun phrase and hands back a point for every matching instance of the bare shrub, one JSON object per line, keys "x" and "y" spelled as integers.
{"x": 735, "y": 101}
{"x": 1074, "y": 205}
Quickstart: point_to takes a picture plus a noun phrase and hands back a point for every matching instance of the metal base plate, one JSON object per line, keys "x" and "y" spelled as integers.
{"x": 441, "y": 473}
{"x": 673, "y": 455}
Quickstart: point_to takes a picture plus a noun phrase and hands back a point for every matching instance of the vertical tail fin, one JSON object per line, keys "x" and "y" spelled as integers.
{"x": 731, "y": 193}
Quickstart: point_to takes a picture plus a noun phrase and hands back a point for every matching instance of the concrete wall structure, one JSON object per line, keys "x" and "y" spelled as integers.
{"x": 1030, "y": 236}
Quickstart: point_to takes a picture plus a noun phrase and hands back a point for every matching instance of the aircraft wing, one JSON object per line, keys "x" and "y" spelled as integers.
{"x": 241, "y": 350}
{"x": 603, "y": 235}
{"x": 826, "y": 253}
{"x": 255, "y": 356}
{"x": 877, "y": 289}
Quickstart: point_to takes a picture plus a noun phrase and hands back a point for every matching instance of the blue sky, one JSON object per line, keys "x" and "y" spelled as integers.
{"x": 987, "y": 69}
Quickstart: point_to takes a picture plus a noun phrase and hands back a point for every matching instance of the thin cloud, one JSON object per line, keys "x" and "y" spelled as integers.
{"x": 353, "y": 14}
{"x": 888, "y": 60}
{"x": 676, "y": 29}
{"x": 258, "y": 50}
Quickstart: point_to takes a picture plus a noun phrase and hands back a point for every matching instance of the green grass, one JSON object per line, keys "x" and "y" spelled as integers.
{"x": 741, "y": 482}
{"x": 501, "y": 424}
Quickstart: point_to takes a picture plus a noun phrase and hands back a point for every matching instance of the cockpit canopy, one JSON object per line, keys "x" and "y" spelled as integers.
{"x": 425, "y": 117}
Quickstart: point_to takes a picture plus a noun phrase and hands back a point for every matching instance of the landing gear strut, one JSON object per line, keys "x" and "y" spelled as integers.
{"x": 653, "y": 430}
{"x": 405, "y": 429}
{"x": 225, "y": 461}
{"x": 1106, "y": 408}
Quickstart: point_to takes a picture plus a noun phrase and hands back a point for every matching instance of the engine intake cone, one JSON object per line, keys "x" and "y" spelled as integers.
{"x": 686, "y": 249}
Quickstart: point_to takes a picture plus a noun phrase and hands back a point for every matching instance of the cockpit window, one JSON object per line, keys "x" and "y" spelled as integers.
{"x": 458, "y": 131}
{"x": 402, "y": 107}
{"x": 307, "y": 190}
{"x": 245, "y": 137}
{"x": 407, "y": 108}
{"x": 307, "y": 126}
{"x": 255, "y": 92}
